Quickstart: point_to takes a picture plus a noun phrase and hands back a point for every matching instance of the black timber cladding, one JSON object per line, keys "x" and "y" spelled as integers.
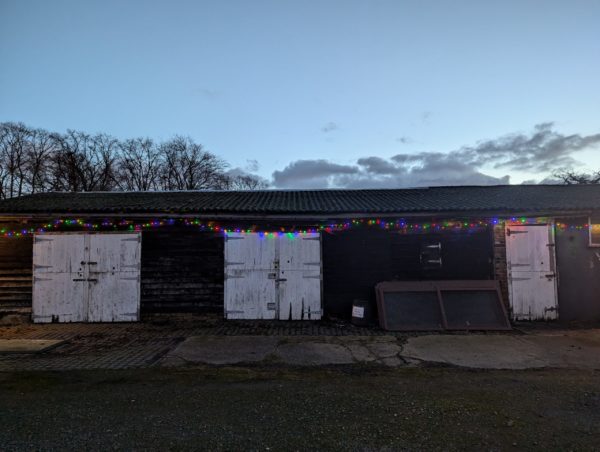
{"x": 16, "y": 256}
{"x": 501, "y": 198}
{"x": 355, "y": 261}
{"x": 578, "y": 267}
{"x": 182, "y": 271}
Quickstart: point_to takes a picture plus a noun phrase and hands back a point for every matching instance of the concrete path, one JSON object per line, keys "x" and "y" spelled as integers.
{"x": 297, "y": 350}
{"x": 570, "y": 349}
{"x": 566, "y": 349}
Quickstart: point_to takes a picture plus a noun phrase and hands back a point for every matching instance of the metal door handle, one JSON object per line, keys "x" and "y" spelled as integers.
{"x": 281, "y": 279}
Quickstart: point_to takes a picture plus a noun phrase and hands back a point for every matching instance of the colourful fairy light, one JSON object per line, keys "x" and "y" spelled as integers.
{"x": 398, "y": 225}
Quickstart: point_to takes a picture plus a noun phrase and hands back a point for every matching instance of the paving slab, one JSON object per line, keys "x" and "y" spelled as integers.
{"x": 27, "y": 345}
{"x": 221, "y": 350}
{"x": 297, "y": 350}
{"x": 501, "y": 351}
{"x": 309, "y": 353}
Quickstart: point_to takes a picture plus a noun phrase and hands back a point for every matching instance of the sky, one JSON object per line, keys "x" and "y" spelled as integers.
{"x": 320, "y": 93}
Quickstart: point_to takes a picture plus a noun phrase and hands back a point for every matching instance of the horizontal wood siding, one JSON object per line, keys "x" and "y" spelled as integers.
{"x": 182, "y": 271}
{"x": 15, "y": 272}
{"x": 354, "y": 261}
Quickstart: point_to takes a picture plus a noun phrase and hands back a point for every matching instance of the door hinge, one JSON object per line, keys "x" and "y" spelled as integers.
{"x": 229, "y": 237}
{"x": 37, "y": 239}
{"x": 510, "y": 232}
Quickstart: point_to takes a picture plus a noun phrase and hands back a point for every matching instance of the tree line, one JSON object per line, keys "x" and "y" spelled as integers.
{"x": 36, "y": 160}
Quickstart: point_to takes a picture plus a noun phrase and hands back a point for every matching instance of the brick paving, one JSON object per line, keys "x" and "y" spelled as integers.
{"x": 138, "y": 345}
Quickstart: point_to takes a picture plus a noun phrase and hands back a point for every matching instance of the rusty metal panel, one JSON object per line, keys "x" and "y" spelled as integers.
{"x": 441, "y": 305}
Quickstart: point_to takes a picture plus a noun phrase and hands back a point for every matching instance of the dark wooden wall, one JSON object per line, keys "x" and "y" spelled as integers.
{"x": 15, "y": 272}
{"x": 355, "y": 260}
{"x": 578, "y": 274}
{"x": 182, "y": 271}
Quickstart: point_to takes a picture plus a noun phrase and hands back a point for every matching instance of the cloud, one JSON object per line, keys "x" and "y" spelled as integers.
{"x": 312, "y": 174}
{"x": 252, "y": 165}
{"x": 330, "y": 127}
{"x": 404, "y": 139}
{"x": 541, "y": 151}
{"x": 209, "y": 94}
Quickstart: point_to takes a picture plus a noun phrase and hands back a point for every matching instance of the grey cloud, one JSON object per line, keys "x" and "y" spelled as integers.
{"x": 541, "y": 151}
{"x": 329, "y": 127}
{"x": 311, "y": 174}
{"x": 252, "y": 165}
{"x": 377, "y": 165}
{"x": 209, "y": 94}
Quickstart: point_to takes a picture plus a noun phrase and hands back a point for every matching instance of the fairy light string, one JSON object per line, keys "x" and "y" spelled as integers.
{"x": 400, "y": 225}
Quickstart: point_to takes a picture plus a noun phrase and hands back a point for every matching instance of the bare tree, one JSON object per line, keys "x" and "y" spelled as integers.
{"x": 244, "y": 182}
{"x": 13, "y": 158}
{"x": 139, "y": 165}
{"x": 83, "y": 162}
{"x": 34, "y": 160}
{"x": 189, "y": 167}
{"x": 39, "y": 155}
{"x": 569, "y": 177}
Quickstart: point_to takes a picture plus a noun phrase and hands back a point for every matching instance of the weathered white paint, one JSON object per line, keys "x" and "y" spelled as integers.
{"x": 114, "y": 273}
{"x": 531, "y": 272}
{"x": 275, "y": 277}
{"x": 300, "y": 277}
{"x": 92, "y": 277}
{"x": 59, "y": 290}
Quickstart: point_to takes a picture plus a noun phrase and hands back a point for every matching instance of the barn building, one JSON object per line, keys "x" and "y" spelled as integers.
{"x": 296, "y": 254}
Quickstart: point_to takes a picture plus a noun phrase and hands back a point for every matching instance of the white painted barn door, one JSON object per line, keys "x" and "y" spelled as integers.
{"x": 59, "y": 290}
{"x": 531, "y": 272}
{"x": 114, "y": 274}
{"x": 300, "y": 277}
{"x": 273, "y": 277}
{"x": 82, "y": 277}
{"x": 250, "y": 276}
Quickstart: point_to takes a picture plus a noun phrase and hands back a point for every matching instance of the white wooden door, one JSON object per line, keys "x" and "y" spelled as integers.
{"x": 114, "y": 277}
{"x": 300, "y": 277}
{"x": 59, "y": 287}
{"x": 250, "y": 275}
{"x": 81, "y": 277}
{"x": 531, "y": 272}
{"x": 273, "y": 277}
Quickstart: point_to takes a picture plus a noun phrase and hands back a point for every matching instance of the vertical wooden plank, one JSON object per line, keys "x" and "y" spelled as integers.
{"x": 300, "y": 275}
{"x": 114, "y": 274}
{"x": 250, "y": 277}
{"x": 58, "y": 278}
{"x": 531, "y": 276}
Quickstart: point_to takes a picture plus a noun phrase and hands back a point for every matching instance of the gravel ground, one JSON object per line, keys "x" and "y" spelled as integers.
{"x": 275, "y": 408}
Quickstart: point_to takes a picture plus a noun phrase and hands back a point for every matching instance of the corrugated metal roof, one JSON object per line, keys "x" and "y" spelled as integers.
{"x": 503, "y": 198}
